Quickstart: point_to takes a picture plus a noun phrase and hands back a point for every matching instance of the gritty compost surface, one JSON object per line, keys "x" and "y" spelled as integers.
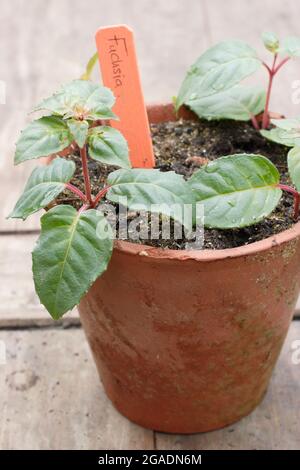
{"x": 184, "y": 146}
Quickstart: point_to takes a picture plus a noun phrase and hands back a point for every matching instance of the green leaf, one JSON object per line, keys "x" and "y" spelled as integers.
{"x": 237, "y": 190}
{"x": 89, "y": 68}
{"x": 280, "y": 137}
{"x": 294, "y": 166}
{"x": 79, "y": 130}
{"x": 69, "y": 256}
{"x": 218, "y": 69}
{"x": 108, "y": 145}
{"x": 270, "y": 41}
{"x": 42, "y": 137}
{"x": 143, "y": 189}
{"x": 44, "y": 185}
{"x": 81, "y": 99}
{"x": 287, "y": 124}
{"x": 290, "y": 46}
{"x": 239, "y": 103}
{"x": 286, "y": 132}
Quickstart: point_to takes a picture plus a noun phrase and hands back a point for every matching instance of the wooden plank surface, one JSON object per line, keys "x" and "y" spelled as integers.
{"x": 13, "y": 178}
{"x": 50, "y": 394}
{"x": 273, "y": 425}
{"x": 19, "y": 304}
{"x": 51, "y": 397}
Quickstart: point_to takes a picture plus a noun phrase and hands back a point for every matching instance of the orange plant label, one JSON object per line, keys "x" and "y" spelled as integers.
{"x": 119, "y": 69}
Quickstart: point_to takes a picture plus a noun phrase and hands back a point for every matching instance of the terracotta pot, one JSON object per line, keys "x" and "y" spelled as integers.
{"x": 186, "y": 341}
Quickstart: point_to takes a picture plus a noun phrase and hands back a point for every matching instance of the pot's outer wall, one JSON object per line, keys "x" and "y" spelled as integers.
{"x": 188, "y": 345}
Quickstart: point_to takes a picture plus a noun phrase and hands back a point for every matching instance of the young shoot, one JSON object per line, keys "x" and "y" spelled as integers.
{"x": 212, "y": 87}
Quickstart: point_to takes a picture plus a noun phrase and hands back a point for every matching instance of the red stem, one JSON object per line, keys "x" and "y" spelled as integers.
{"x": 83, "y": 208}
{"x": 296, "y": 207}
{"x": 266, "y": 120}
{"x": 267, "y": 67}
{"x": 100, "y": 195}
{"x": 254, "y": 122}
{"x": 76, "y": 191}
{"x": 86, "y": 176}
{"x": 284, "y": 61}
{"x": 296, "y": 197}
{"x": 272, "y": 72}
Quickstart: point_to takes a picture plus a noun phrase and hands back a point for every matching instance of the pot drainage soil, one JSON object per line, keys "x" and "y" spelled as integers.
{"x": 184, "y": 146}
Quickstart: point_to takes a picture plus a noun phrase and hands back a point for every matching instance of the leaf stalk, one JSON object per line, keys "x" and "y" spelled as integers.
{"x": 86, "y": 176}
{"x": 100, "y": 195}
{"x": 83, "y": 208}
{"x": 296, "y": 196}
{"x": 272, "y": 72}
{"x": 76, "y": 191}
{"x": 254, "y": 122}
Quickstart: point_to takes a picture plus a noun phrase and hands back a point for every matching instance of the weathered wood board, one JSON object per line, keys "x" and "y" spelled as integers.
{"x": 51, "y": 398}
{"x": 19, "y": 304}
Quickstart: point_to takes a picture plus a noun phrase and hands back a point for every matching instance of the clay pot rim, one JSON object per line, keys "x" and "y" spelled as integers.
{"x": 147, "y": 252}
{"x": 209, "y": 255}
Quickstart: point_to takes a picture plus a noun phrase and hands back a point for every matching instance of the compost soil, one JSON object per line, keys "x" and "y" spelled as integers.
{"x": 184, "y": 147}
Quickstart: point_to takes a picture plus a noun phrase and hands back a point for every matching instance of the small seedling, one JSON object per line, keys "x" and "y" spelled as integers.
{"x": 70, "y": 254}
{"x": 212, "y": 86}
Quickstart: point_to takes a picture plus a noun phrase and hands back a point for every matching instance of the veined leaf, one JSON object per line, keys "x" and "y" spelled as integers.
{"x": 294, "y": 166}
{"x": 239, "y": 103}
{"x": 270, "y": 41}
{"x": 286, "y": 132}
{"x": 218, "y": 69}
{"x": 290, "y": 46}
{"x": 44, "y": 184}
{"x": 287, "y": 124}
{"x": 47, "y": 135}
{"x": 148, "y": 189}
{"x": 280, "y": 137}
{"x": 237, "y": 190}
{"x": 108, "y": 145}
{"x": 81, "y": 99}
{"x": 69, "y": 256}
{"x": 79, "y": 130}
